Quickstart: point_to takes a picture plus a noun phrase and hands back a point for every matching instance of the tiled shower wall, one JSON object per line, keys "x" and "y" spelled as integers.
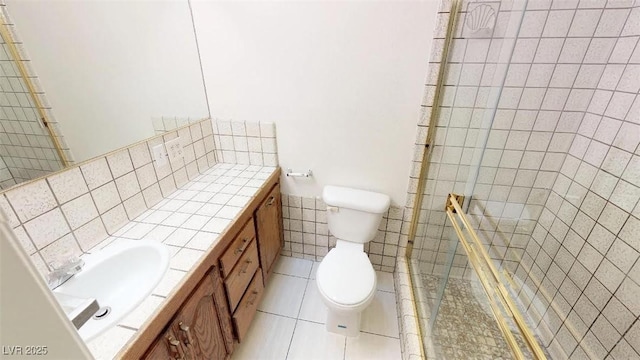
{"x": 582, "y": 262}
{"x": 562, "y": 148}
{"x": 69, "y": 212}
{"x": 25, "y": 145}
{"x": 530, "y": 129}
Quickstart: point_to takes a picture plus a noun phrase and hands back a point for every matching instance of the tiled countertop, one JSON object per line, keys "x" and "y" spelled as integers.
{"x": 189, "y": 222}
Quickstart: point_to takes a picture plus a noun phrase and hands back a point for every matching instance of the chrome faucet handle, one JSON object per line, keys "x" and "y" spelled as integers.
{"x": 71, "y": 265}
{"x": 63, "y": 271}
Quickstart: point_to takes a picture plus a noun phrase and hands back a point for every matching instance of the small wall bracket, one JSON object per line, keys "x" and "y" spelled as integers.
{"x": 449, "y": 205}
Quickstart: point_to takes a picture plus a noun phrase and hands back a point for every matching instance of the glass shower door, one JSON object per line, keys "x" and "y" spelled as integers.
{"x": 455, "y": 317}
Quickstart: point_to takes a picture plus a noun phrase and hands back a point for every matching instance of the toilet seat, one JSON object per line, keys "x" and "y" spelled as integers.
{"x": 346, "y": 277}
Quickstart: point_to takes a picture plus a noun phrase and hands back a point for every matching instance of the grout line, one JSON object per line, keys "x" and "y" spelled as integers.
{"x": 275, "y": 314}
{"x": 293, "y": 334}
{"x": 386, "y": 336}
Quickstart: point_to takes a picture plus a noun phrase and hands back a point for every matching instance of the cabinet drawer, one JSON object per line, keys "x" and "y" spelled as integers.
{"x": 238, "y": 247}
{"x": 241, "y": 275}
{"x": 248, "y": 306}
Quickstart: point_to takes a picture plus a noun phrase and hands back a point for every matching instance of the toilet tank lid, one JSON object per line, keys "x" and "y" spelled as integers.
{"x": 356, "y": 199}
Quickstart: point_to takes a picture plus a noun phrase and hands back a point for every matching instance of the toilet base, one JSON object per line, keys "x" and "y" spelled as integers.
{"x": 347, "y": 324}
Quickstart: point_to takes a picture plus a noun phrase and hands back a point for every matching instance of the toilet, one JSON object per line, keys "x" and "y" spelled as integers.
{"x": 345, "y": 277}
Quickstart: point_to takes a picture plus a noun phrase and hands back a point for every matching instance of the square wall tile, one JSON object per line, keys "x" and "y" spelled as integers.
{"x": 96, "y": 173}
{"x": 128, "y": 185}
{"x": 135, "y": 206}
{"x": 61, "y": 250}
{"x": 611, "y": 22}
{"x": 114, "y": 219}
{"x": 585, "y": 22}
{"x": 31, "y": 200}
{"x": 47, "y": 228}
{"x": 106, "y": 197}
{"x": 79, "y": 211}
{"x": 140, "y": 155}
{"x": 90, "y": 234}
{"x": 68, "y": 185}
{"x": 120, "y": 163}
{"x": 557, "y": 24}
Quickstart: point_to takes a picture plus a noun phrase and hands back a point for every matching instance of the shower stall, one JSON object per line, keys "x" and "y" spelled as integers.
{"x": 525, "y": 236}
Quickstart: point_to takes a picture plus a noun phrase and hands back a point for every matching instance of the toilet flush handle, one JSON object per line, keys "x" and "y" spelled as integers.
{"x": 333, "y": 208}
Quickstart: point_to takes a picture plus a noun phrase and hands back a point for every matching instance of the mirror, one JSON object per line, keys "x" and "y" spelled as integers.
{"x": 106, "y": 74}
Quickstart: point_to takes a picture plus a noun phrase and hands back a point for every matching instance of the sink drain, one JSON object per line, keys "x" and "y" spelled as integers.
{"x": 102, "y": 313}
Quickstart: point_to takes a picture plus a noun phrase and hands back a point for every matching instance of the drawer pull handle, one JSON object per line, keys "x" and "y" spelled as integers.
{"x": 271, "y": 200}
{"x": 254, "y": 296}
{"x": 187, "y": 333}
{"x": 243, "y": 247}
{"x": 245, "y": 267}
{"x": 176, "y": 350}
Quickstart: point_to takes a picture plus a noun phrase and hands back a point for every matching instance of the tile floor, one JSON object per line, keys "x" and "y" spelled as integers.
{"x": 465, "y": 327}
{"x": 290, "y": 321}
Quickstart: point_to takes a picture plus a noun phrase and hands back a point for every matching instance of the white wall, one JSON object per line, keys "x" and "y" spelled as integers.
{"x": 341, "y": 80}
{"x": 108, "y": 67}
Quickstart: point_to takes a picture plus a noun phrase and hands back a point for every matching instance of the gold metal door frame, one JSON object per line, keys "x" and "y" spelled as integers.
{"x": 433, "y": 120}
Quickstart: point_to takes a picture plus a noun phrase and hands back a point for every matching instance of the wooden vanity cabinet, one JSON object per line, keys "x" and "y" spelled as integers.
{"x": 214, "y": 308}
{"x": 199, "y": 330}
{"x": 268, "y": 219}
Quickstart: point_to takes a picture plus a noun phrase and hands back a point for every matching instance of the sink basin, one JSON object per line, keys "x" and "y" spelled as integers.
{"x": 119, "y": 277}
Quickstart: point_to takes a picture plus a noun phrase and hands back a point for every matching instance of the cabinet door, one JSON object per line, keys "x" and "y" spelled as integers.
{"x": 166, "y": 347}
{"x": 197, "y": 324}
{"x": 269, "y": 226}
{"x": 224, "y": 315}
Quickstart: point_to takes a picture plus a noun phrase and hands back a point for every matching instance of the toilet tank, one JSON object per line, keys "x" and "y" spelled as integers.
{"x": 353, "y": 214}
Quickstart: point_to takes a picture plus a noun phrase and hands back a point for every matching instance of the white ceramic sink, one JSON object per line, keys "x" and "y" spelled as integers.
{"x": 120, "y": 276}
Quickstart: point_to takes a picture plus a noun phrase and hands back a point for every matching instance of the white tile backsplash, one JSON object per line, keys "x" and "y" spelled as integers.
{"x": 85, "y": 204}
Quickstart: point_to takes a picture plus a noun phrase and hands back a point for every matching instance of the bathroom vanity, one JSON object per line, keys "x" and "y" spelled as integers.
{"x": 210, "y": 310}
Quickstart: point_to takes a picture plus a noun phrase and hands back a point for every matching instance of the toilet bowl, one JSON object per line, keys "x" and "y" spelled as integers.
{"x": 345, "y": 278}
{"x": 347, "y": 284}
